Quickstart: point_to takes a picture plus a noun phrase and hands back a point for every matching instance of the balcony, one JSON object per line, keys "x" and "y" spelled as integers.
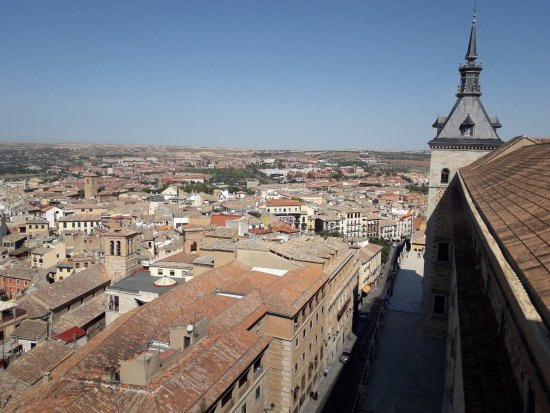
{"x": 11, "y": 316}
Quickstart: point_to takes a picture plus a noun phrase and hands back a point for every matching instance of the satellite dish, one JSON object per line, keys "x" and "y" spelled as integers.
{"x": 190, "y": 328}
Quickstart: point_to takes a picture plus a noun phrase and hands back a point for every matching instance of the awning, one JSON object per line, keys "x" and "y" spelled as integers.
{"x": 366, "y": 289}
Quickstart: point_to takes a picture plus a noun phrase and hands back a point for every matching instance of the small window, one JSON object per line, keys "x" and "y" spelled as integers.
{"x": 443, "y": 251}
{"x": 160, "y": 271}
{"x": 439, "y": 304}
{"x": 258, "y": 392}
{"x": 172, "y": 273}
{"x": 243, "y": 409}
{"x": 227, "y": 397}
{"x": 257, "y": 365}
{"x": 243, "y": 380}
{"x": 445, "y": 176}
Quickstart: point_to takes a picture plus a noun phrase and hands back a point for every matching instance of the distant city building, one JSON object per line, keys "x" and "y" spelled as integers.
{"x": 90, "y": 185}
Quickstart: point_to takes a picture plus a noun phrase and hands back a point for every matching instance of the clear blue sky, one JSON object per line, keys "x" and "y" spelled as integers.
{"x": 289, "y": 74}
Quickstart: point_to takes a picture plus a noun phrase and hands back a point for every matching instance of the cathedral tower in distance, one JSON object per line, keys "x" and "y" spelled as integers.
{"x": 90, "y": 185}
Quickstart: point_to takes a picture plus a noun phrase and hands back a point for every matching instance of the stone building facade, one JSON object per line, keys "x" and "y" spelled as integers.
{"x": 121, "y": 246}
{"x": 462, "y": 137}
{"x": 486, "y": 276}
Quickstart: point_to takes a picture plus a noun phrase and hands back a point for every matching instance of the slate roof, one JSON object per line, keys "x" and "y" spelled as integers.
{"x": 143, "y": 282}
{"x": 511, "y": 191}
{"x": 467, "y": 106}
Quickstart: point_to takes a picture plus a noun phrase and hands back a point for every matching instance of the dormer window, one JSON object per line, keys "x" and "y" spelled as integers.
{"x": 467, "y": 127}
{"x": 445, "y": 176}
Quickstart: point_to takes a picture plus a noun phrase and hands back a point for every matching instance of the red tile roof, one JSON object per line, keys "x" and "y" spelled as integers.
{"x": 510, "y": 188}
{"x": 71, "y": 334}
{"x": 200, "y": 375}
{"x": 220, "y": 220}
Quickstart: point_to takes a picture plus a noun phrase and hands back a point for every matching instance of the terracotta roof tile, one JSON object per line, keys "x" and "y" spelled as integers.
{"x": 31, "y": 329}
{"x": 511, "y": 189}
{"x": 57, "y": 294}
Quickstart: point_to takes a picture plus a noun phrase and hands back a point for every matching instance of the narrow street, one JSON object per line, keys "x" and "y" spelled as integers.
{"x": 407, "y": 370}
{"x": 345, "y": 391}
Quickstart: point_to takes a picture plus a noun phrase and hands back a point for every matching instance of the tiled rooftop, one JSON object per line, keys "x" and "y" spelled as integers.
{"x": 292, "y": 291}
{"x": 30, "y": 367}
{"x": 31, "y": 329}
{"x": 64, "y": 291}
{"x": 82, "y": 315}
{"x": 511, "y": 190}
{"x": 201, "y": 374}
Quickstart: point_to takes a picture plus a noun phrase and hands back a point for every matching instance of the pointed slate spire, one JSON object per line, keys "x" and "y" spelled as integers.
{"x": 467, "y": 126}
{"x": 471, "y": 54}
{"x": 469, "y": 71}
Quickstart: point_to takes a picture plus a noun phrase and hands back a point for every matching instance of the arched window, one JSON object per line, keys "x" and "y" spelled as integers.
{"x": 118, "y": 248}
{"x": 112, "y": 248}
{"x": 445, "y": 176}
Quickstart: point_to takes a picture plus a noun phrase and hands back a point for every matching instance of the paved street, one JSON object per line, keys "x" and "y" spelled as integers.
{"x": 407, "y": 372}
{"x": 339, "y": 391}
{"x": 346, "y": 385}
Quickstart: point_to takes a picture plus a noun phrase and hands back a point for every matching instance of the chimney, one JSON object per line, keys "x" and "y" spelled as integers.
{"x": 46, "y": 377}
{"x": 141, "y": 369}
{"x": 183, "y": 337}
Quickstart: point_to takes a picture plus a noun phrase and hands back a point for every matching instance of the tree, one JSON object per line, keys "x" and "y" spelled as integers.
{"x": 386, "y": 246}
{"x": 326, "y": 233}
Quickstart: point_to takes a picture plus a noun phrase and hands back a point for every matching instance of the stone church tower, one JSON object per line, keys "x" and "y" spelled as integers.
{"x": 90, "y": 185}
{"x": 464, "y": 136}
{"x": 120, "y": 247}
{"x": 192, "y": 239}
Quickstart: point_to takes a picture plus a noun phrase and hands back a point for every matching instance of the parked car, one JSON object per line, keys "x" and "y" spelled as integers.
{"x": 346, "y": 355}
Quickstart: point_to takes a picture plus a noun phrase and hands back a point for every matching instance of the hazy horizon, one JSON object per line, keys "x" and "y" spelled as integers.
{"x": 310, "y": 75}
